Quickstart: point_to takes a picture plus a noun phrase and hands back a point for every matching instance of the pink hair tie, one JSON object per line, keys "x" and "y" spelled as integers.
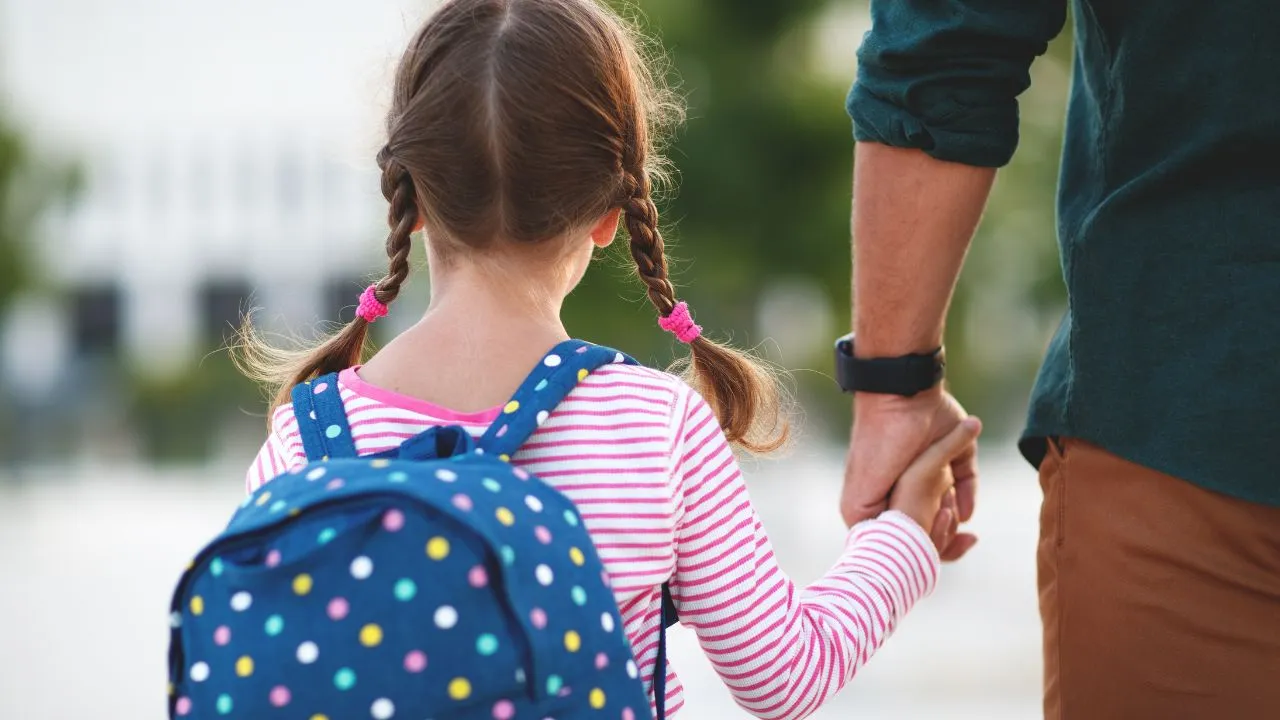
{"x": 370, "y": 308}
{"x": 680, "y": 323}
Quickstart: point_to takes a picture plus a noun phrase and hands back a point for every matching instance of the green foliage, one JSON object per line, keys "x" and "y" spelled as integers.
{"x": 28, "y": 185}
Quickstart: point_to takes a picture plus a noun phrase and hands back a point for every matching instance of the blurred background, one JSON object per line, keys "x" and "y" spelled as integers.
{"x": 166, "y": 166}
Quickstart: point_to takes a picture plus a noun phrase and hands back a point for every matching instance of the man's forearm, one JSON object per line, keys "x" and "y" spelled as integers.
{"x": 913, "y": 219}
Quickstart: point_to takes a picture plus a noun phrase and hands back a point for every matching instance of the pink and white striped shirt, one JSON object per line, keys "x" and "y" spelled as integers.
{"x": 642, "y": 456}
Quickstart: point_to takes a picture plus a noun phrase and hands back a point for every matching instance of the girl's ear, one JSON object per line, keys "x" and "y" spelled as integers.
{"x": 606, "y": 228}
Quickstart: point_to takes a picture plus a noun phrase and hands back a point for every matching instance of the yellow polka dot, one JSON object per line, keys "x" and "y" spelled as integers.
{"x": 596, "y": 698}
{"x": 197, "y": 605}
{"x": 380, "y": 463}
{"x": 437, "y": 548}
{"x": 190, "y": 565}
{"x": 504, "y": 457}
{"x": 572, "y": 641}
{"x": 244, "y": 666}
{"x": 511, "y": 407}
{"x": 582, "y": 374}
{"x": 371, "y": 635}
{"x": 171, "y": 689}
{"x": 302, "y": 584}
{"x": 576, "y": 556}
{"x": 459, "y": 688}
{"x": 294, "y": 512}
{"x": 505, "y": 517}
{"x": 319, "y": 716}
{"x": 263, "y": 498}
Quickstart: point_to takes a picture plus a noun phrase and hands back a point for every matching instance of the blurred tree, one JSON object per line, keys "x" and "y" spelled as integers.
{"x": 28, "y": 185}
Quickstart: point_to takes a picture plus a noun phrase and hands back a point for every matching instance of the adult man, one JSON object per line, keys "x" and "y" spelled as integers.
{"x": 1153, "y": 414}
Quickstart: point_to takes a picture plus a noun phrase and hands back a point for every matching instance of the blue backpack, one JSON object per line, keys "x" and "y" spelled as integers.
{"x": 435, "y": 580}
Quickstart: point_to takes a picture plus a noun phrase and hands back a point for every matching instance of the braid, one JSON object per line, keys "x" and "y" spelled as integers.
{"x": 750, "y": 406}
{"x": 402, "y": 217}
{"x": 647, "y": 248}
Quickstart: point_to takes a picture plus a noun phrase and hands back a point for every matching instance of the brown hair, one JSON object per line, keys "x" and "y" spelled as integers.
{"x": 522, "y": 121}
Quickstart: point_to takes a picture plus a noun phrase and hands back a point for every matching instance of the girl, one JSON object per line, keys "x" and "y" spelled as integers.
{"x": 520, "y": 136}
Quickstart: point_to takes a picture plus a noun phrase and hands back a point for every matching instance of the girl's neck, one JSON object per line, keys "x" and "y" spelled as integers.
{"x": 482, "y": 333}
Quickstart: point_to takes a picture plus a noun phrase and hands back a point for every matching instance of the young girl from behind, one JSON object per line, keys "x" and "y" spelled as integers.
{"x": 520, "y": 135}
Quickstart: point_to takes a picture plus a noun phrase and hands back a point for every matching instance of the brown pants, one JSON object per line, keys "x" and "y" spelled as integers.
{"x": 1159, "y": 599}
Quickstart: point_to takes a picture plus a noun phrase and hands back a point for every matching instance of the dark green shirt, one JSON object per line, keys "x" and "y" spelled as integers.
{"x": 1168, "y": 209}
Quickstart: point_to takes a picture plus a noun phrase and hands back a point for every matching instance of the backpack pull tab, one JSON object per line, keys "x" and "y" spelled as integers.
{"x": 438, "y": 443}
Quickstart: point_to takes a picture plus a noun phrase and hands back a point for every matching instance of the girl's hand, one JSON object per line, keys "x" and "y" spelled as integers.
{"x": 927, "y": 481}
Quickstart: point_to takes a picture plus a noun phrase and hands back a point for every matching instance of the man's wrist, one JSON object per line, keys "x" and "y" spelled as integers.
{"x": 903, "y": 375}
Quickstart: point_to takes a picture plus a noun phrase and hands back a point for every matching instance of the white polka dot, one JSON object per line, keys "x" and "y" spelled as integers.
{"x": 534, "y": 503}
{"x": 618, "y": 358}
{"x": 312, "y": 414}
{"x": 544, "y": 574}
{"x": 382, "y": 709}
{"x": 446, "y": 475}
{"x": 542, "y": 416}
{"x": 315, "y": 474}
{"x": 520, "y": 675}
{"x": 446, "y": 617}
{"x": 632, "y": 672}
{"x": 361, "y": 568}
{"x": 175, "y": 620}
{"x": 551, "y": 361}
{"x": 308, "y": 653}
{"x": 606, "y": 622}
{"x": 200, "y": 672}
{"x": 241, "y": 601}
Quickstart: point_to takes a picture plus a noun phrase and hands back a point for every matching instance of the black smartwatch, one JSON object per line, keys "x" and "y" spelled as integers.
{"x": 906, "y": 375}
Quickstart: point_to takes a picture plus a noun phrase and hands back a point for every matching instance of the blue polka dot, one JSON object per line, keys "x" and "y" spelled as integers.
{"x": 405, "y": 589}
{"x": 398, "y": 477}
{"x": 487, "y": 644}
{"x": 332, "y": 431}
{"x": 570, "y": 518}
{"x": 579, "y": 595}
{"x": 224, "y": 704}
{"x": 554, "y": 683}
{"x": 344, "y": 679}
{"x": 326, "y": 535}
{"x": 274, "y": 625}
{"x": 278, "y": 506}
{"x": 491, "y": 485}
{"x": 508, "y": 555}
{"x": 542, "y": 384}
{"x": 215, "y": 567}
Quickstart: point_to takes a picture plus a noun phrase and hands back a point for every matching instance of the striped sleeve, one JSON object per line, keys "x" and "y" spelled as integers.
{"x": 782, "y": 650}
{"x": 282, "y": 450}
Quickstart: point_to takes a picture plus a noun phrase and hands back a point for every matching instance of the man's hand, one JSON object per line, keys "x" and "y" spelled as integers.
{"x": 889, "y": 432}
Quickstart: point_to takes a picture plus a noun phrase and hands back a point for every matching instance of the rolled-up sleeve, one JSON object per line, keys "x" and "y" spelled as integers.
{"x": 943, "y": 76}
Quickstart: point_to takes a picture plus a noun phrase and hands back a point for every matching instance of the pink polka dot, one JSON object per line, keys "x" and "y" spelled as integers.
{"x": 222, "y": 635}
{"x": 566, "y": 691}
{"x": 393, "y": 520}
{"x": 627, "y": 714}
{"x": 543, "y": 535}
{"x": 462, "y": 502}
{"x": 521, "y": 474}
{"x": 478, "y": 577}
{"x": 183, "y": 706}
{"x": 273, "y": 558}
{"x": 338, "y": 608}
{"x": 538, "y": 618}
{"x": 320, "y": 387}
{"x": 501, "y": 431}
{"x": 503, "y": 710}
{"x": 582, "y": 349}
{"x": 334, "y": 484}
{"x": 415, "y": 661}
{"x": 280, "y": 696}
{"x": 602, "y": 661}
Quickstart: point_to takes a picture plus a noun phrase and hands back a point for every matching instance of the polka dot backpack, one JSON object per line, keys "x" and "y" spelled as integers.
{"x": 433, "y": 581}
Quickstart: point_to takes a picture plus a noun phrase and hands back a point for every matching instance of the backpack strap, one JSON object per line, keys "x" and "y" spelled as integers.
{"x": 667, "y": 618}
{"x": 559, "y": 371}
{"x": 322, "y": 421}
